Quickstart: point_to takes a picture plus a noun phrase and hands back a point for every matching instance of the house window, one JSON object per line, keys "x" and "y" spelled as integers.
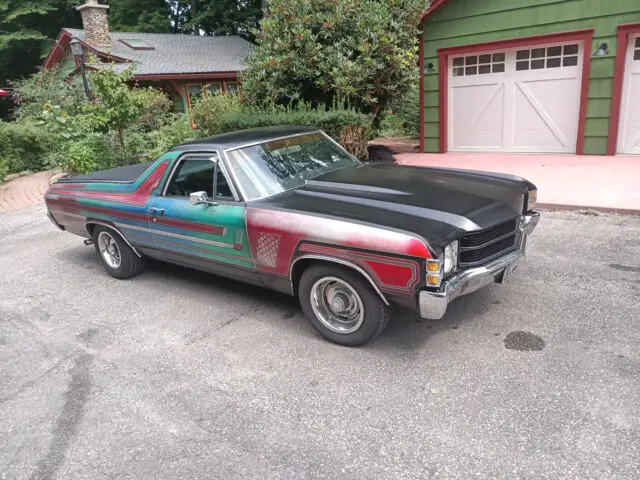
{"x": 547, "y": 57}
{"x": 231, "y": 87}
{"x": 213, "y": 88}
{"x": 479, "y": 64}
{"x": 636, "y": 52}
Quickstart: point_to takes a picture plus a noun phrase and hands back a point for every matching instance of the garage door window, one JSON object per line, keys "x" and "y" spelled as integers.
{"x": 636, "y": 53}
{"x": 549, "y": 57}
{"x": 479, "y": 64}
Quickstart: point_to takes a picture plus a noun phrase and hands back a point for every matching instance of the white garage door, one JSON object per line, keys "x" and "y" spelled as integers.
{"x": 515, "y": 100}
{"x": 629, "y": 128}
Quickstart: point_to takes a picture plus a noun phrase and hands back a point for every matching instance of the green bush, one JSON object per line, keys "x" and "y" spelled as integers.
{"x": 174, "y": 132}
{"x": 348, "y": 127}
{"x": 391, "y": 126}
{"x": 407, "y": 107}
{"x": 24, "y": 146}
{"x": 206, "y": 113}
{"x": 362, "y": 52}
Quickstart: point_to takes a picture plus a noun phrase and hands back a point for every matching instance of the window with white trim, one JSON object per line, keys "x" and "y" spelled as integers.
{"x": 636, "y": 50}
{"x": 478, "y": 64}
{"x": 538, "y": 58}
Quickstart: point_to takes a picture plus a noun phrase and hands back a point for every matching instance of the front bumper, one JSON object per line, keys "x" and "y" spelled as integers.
{"x": 433, "y": 305}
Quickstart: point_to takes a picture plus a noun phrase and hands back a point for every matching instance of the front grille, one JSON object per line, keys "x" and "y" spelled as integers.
{"x": 479, "y": 247}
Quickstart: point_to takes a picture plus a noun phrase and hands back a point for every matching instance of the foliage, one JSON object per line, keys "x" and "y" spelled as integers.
{"x": 349, "y": 127}
{"x": 139, "y": 16}
{"x": 23, "y": 146}
{"x": 47, "y": 87}
{"x": 216, "y": 17}
{"x": 391, "y": 125}
{"x": 207, "y": 112}
{"x": 25, "y": 30}
{"x": 362, "y": 52}
{"x": 407, "y": 108}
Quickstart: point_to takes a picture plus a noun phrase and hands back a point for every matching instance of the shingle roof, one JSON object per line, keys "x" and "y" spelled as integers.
{"x": 178, "y": 53}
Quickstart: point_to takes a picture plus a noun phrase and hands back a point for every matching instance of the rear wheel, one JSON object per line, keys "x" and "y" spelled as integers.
{"x": 342, "y": 305}
{"x": 118, "y": 259}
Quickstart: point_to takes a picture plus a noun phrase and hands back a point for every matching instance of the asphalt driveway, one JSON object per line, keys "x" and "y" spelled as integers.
{"x": 177, "y": 374}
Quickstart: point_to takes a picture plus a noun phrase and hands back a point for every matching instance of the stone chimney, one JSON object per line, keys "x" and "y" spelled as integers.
{"x": 95, "y": 23}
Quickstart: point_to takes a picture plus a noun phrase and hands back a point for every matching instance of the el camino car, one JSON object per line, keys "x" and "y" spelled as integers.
{"x": 288, "y": 209}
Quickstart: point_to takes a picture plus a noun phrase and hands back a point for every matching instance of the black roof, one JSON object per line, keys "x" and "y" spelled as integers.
{"x": 243, "y": 137}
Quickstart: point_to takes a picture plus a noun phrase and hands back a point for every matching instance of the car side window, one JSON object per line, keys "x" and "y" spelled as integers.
{"x": 222, "y": 188}
{"x": 192, "y": 175}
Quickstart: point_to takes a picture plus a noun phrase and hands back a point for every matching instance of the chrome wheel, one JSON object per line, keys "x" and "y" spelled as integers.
{"x": 337, "y": 305}
{"x": 109, "y": 250}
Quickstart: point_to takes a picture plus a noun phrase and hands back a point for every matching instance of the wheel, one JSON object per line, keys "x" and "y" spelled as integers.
{"x": 119, "y": 260}
{"x": 342, "y": 305}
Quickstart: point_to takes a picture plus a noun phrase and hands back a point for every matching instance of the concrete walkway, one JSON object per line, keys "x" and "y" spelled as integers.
{"x": 564, "y": 181}
{"x": 24, "y": 191}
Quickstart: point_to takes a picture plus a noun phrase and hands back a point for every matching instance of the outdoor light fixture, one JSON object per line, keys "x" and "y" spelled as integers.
{"x": 78, "y": 52}
{"x": 428, "y": 68}
{"x": 602, "y": 50}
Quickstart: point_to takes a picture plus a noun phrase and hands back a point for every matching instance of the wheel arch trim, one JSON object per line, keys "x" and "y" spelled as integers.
{"x": 340, "y": 261}
{"x": 88, "y": 223}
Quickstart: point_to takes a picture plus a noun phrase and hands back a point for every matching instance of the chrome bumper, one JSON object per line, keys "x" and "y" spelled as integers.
{"x": 433, "y": 305}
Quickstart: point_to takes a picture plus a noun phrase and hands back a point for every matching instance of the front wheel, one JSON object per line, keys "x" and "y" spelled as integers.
{"x": 118, "y": 259}
{"x": 342, "y": 305}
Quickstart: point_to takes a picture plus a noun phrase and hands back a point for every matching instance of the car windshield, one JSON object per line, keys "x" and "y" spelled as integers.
{"x": 279, "y": 165}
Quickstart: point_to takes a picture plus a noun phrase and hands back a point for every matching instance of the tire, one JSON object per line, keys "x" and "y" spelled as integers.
{"x": 322, "y": 285}
{"x": 129, "y": 264}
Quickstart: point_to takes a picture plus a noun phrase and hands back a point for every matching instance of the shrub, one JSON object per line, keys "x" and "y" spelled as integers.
{"x": 174, "y": 132}
{"x": 407, "y": 107}
{"x": 23, "y": 146}
{"x": 207, "y": 112}
{"x": 362, "y": 52}
{"x": 391, "y": 126}
{"x": 348, "y": 127}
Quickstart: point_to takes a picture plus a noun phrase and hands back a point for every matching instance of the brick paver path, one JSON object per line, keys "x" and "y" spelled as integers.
{"x": 23, "y": 192}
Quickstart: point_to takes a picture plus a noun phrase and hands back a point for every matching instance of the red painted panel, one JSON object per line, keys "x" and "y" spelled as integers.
{"x": 274, "y": 237}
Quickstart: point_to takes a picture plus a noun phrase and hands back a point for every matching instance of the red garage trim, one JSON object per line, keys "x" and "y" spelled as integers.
{"x": 421, "y": 87}
{"x": 618, "y": 83}
{"x": 586, "y": 36}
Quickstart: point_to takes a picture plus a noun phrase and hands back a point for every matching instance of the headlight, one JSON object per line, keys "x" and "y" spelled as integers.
{"x": 532, "y": 198}
{"x": 450, "y": 257}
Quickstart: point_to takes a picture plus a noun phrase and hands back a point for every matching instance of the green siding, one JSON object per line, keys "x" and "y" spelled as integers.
{"x": 465, "y": 22}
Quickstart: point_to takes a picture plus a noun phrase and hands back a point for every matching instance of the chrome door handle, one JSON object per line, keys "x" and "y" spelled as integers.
{"x": 156, "y": 211}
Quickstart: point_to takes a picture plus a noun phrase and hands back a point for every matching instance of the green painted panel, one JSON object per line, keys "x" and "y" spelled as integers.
{"x": 598, "y": 108}
{"x": 465, "y": 22}
{"x": 600, "y": 88}
{"x": 431, "y": 115}
{"x": 431, "y": 145}
{"x": 431, "y": 129}
{"x": 595, "y": 145}
{"x": 597, "y": 127}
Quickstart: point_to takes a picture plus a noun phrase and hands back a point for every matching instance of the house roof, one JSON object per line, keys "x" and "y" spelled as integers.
{"x": 175, "y": 53}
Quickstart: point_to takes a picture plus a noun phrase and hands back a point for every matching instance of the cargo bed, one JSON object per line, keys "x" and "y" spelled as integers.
{"x": 126, "y": 174}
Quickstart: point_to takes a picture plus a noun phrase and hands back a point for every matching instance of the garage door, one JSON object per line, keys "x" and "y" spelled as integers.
{"x": 515, "y": 100}
{"x": 629, "y": 136}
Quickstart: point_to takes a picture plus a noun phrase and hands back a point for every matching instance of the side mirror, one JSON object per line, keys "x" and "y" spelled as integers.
{"x": 200, "y": 198}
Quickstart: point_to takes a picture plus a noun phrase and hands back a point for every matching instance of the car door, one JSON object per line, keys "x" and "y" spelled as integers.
{"x": 208, "y": 236}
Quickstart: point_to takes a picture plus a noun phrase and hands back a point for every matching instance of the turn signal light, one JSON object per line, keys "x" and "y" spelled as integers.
{"x": 433, "y": 280}
{"x": 433, "y": 266}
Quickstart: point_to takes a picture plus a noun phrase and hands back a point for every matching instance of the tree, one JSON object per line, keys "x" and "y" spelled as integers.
{"x": 216, "y": 17}
{"x": 139, "y": 16}
{"x": 26, "y": 31}
{"x": 362, "y": 52}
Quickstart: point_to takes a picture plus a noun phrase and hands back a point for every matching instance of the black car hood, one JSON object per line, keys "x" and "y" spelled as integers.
{"x": 438, "y": 204}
